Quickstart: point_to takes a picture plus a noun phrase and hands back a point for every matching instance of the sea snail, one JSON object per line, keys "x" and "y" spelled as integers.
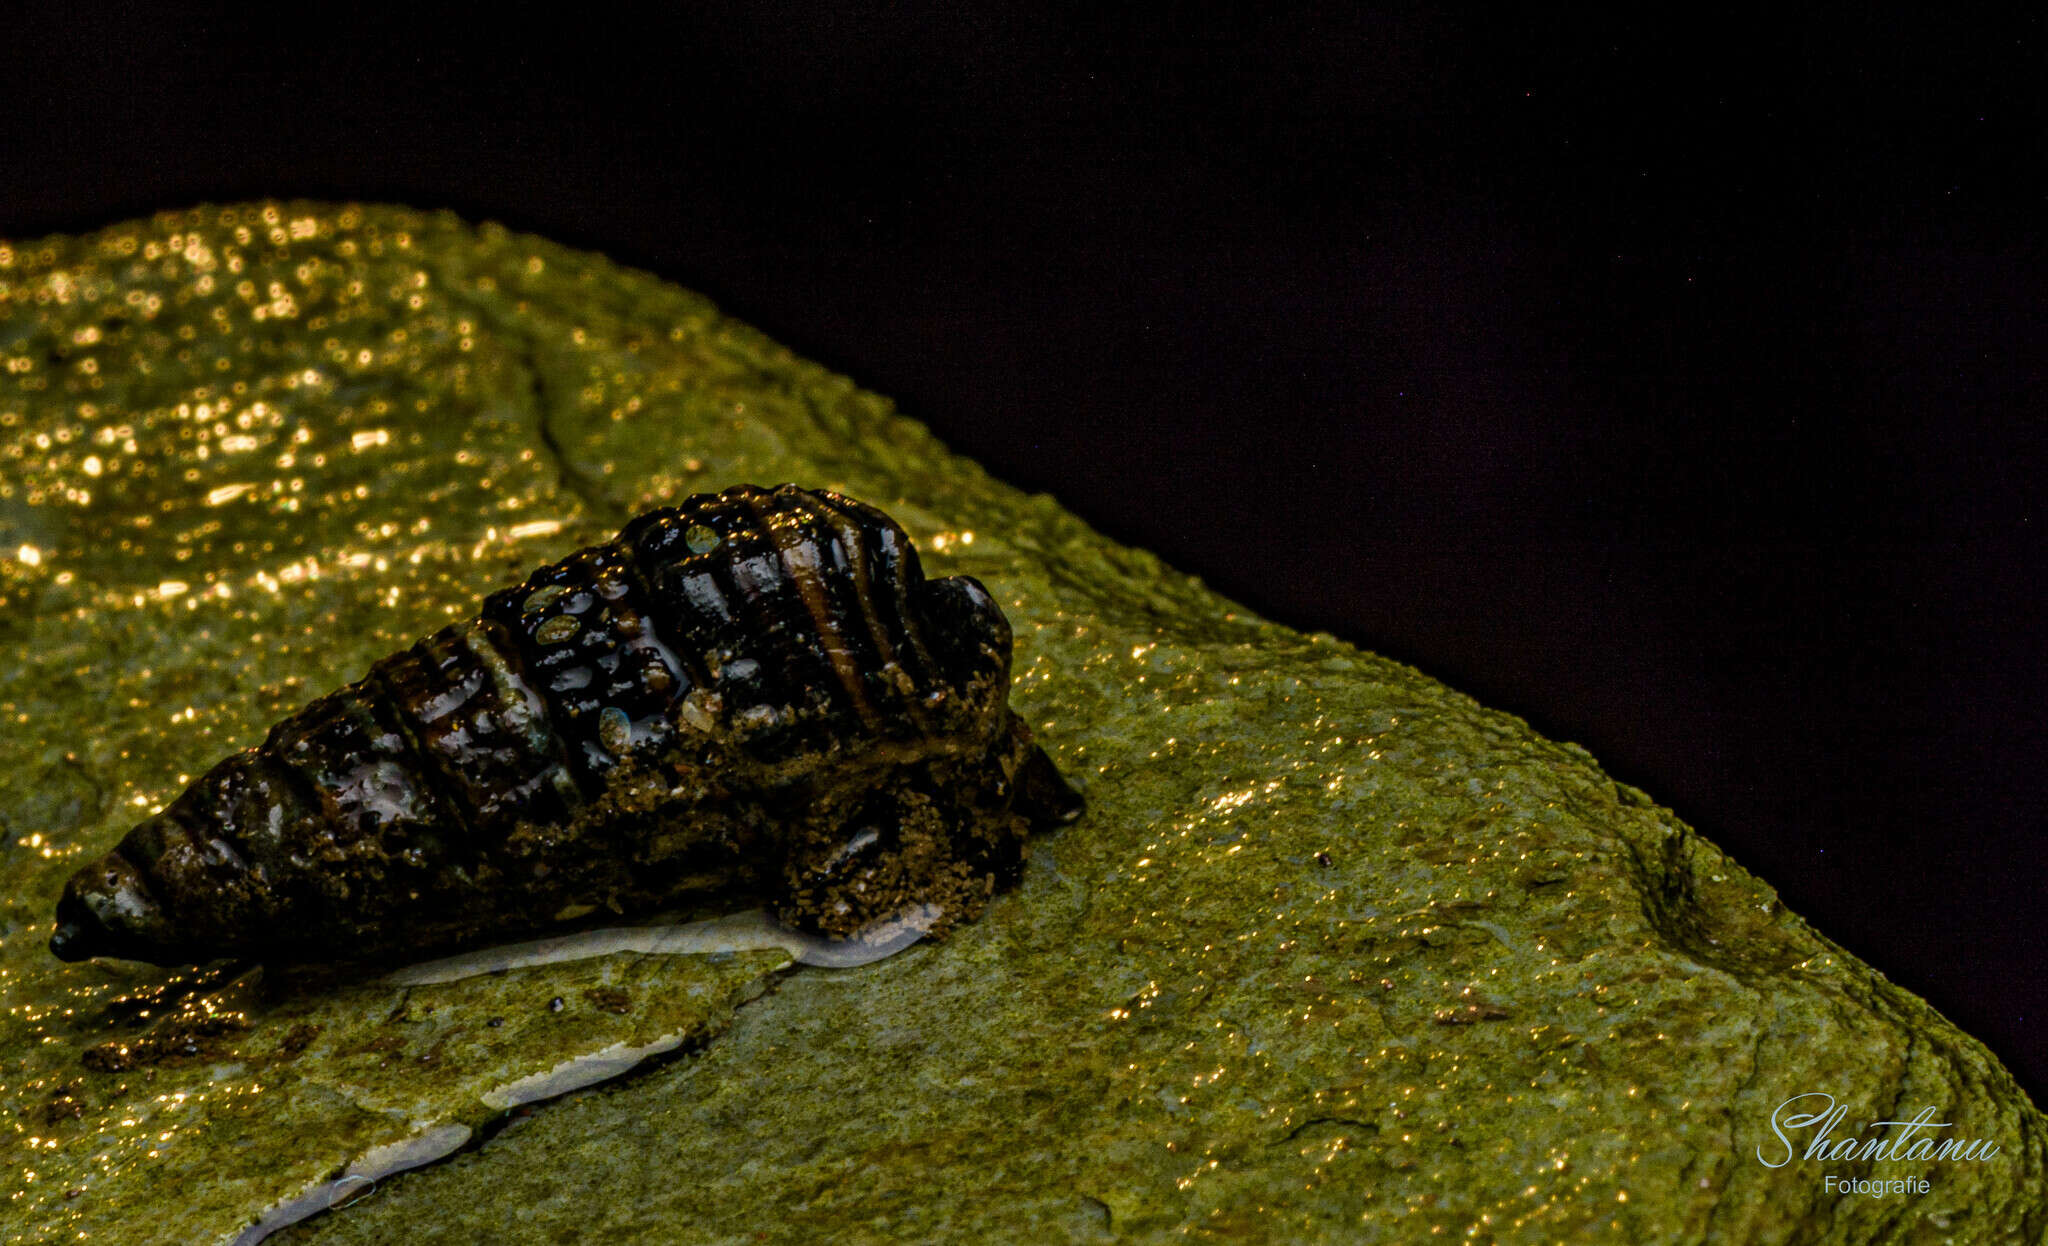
{"x": 756, "y": 692}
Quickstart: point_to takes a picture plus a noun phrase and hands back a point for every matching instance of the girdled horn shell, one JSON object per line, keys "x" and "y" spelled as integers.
{"x": 754, "y": 692}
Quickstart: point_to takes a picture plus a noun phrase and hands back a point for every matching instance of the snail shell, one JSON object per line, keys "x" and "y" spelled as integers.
{"x": 755, "y": 692}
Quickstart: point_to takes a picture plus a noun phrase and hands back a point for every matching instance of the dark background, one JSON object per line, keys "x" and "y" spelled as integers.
{"x": 1678, "y": 387}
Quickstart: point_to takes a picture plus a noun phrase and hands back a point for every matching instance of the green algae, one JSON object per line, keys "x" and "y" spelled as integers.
{"x": 1336, "y": 954}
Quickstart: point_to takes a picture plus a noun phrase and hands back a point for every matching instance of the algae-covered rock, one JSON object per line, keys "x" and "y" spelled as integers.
{"x": 1336, "y": 953}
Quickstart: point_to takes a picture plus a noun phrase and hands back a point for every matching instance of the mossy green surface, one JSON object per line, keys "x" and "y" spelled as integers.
{"x": 1335, "y": 955}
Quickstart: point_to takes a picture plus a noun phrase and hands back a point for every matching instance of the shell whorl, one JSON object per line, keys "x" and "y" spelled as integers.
{"x": 642, "y": 713}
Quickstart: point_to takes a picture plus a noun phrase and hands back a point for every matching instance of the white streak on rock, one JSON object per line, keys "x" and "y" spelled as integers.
{"x": 754, "y": 930}
{"x": 371, "y": 1167}
{"x": 587, "y": 1070}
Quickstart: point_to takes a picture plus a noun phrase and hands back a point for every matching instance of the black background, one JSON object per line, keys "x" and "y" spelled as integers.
{"x": 1677, "y": 384}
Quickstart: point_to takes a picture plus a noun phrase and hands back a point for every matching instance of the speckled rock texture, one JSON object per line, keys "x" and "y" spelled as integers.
{"x": 1335, "y": 955}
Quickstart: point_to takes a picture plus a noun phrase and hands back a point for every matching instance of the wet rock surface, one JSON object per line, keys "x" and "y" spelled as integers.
{"x": 1335, "y": 954}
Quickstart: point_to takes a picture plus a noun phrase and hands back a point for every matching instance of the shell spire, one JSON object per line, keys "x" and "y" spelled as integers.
{"x": 755, "y": 691}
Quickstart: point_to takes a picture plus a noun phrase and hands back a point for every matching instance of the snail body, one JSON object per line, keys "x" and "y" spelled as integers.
{"x": 754, "y": 692}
